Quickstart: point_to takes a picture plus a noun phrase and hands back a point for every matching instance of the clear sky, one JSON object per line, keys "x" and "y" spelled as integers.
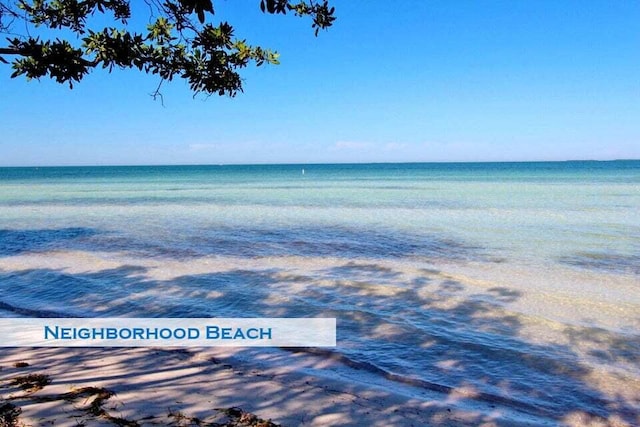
{"x": 390, "y": 81}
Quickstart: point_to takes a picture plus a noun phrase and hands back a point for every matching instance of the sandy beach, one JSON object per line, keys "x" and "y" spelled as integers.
{"x": 152, "y": 385}
{"x": 146, "y": 387}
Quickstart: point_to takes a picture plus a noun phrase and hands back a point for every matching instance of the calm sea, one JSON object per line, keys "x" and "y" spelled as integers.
{"x": 517, "y": 283}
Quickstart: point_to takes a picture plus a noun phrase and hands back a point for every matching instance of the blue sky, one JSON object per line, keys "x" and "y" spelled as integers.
{"x": 391, "y": 81}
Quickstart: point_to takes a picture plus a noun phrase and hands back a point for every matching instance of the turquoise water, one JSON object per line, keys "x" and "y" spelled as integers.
{"x": 517, "y": 281}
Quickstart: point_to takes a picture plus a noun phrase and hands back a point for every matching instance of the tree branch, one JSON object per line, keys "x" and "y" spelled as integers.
{"x": 209, "y": 57}
{"x": 9, "y": 51}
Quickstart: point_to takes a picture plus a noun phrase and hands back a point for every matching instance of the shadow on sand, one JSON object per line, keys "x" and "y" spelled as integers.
{"x": 427, "y": 332}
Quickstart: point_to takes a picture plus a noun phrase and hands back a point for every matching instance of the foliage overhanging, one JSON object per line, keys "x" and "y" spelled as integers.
{"x": 177, "y": 43}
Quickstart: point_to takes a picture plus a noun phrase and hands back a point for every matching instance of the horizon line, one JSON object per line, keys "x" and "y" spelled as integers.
{"x": 316, "y": 163}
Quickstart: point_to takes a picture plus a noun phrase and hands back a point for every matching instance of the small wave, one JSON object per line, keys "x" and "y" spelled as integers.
{"x": 28, "y": 312}
{"x": 13, "y": 242}
{"x": 529, "y": 408}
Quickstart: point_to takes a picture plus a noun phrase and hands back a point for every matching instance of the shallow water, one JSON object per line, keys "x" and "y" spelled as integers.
{"x": 516, "y": 283}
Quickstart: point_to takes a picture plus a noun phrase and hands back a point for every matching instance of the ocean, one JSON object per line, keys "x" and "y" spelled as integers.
{"x": 514, "y": 283}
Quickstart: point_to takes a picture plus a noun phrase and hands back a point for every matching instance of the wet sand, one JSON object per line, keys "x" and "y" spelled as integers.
{"x": 146, "y": 387}
{"x": 179, "y": 387}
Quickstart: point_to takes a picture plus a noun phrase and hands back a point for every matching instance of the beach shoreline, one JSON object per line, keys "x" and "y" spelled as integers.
{"x": 312, "y": 387}
{"x": 151, "y": 385}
